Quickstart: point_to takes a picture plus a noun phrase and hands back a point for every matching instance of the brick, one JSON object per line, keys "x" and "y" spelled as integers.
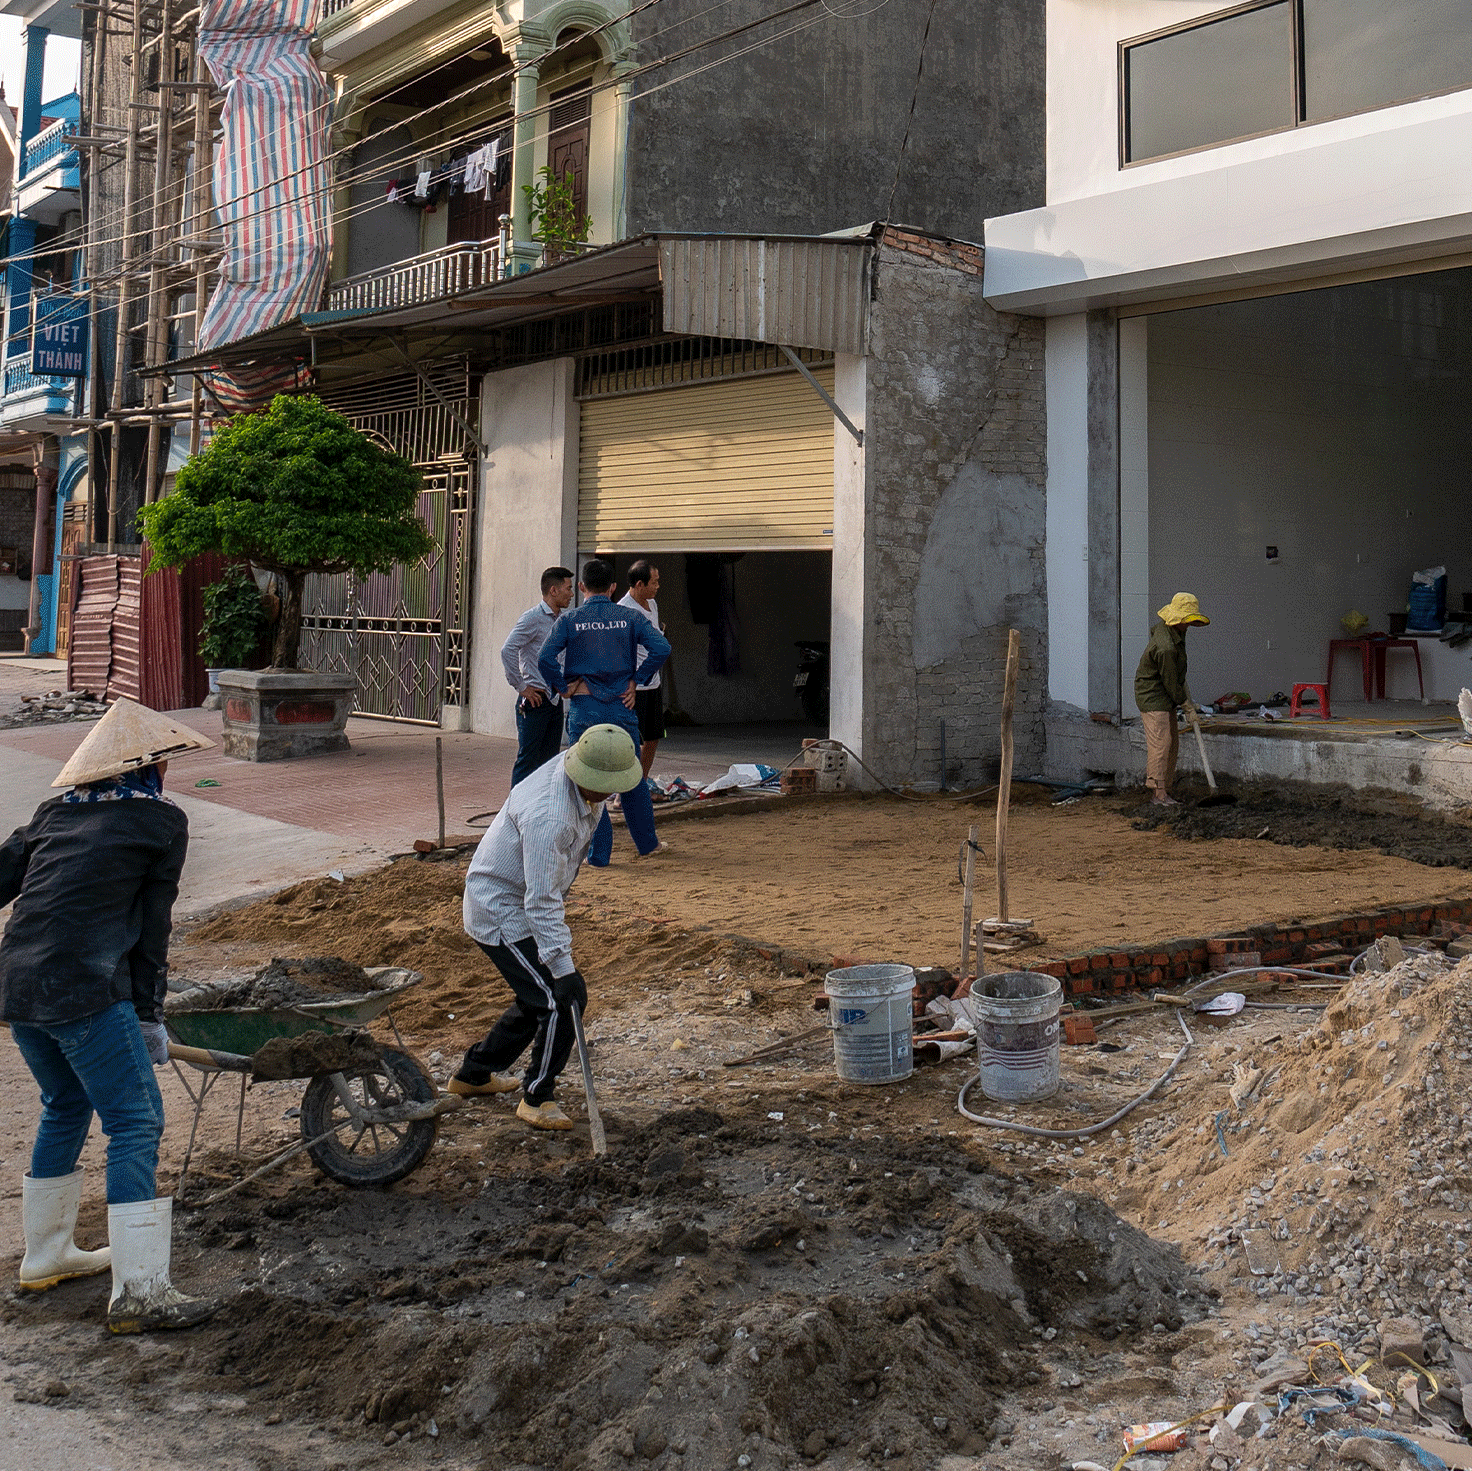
{"x": 1278, "y": 955}
{"x": 1317, "y": 948}
{"x": 1078, "y": 1030}
{"x": 1160, "y": 958}
{"x": 1296, "y": 937}
{"x": 1078, "y": 965}
{"x": 1098, "y": 962}
{"x": 1119, "y": 960}
{"x": 1154, "y": 976}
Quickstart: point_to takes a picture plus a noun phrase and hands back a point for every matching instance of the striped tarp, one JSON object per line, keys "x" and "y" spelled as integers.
{"x": 273, "y": 182}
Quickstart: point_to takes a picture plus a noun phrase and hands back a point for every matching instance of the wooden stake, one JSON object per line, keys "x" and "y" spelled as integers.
{"x": 439, "y": 782}
{"x": 1004, "y": 785}
{"x": 966, "y": 904}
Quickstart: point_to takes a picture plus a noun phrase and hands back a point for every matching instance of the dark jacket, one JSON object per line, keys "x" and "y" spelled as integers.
{"x": 602, "y": 640}
{"x": 1160, "y": 681}
{"x": 96, "y": 883}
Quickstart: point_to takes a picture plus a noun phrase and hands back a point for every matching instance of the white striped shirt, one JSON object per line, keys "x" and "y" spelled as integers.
{"x": 526, "y": 863}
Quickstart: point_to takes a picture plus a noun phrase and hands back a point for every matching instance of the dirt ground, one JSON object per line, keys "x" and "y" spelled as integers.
{"x": 772, "y": 1268}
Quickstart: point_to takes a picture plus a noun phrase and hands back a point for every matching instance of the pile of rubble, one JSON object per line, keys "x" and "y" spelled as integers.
{"x": 55, "y": 707}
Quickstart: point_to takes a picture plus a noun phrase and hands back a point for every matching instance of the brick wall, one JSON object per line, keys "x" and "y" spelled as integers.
{"x": 1103, "y": 971}
{"x": 954, "y": 536}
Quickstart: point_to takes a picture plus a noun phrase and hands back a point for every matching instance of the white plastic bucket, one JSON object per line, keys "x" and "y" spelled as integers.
{"x": 1017, "y": 1034}
{"x": 873, "y": 1022}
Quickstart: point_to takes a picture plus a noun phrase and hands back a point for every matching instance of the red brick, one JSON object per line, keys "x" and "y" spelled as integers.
{"x": 1119, "y": 960}
{"x": 1099, "y": 962}
{"x": 1154, "y": 976}
{"x": 1296, "y": 937}
{"x": 1078, "y": 1030}
{"x": 1078, "y": 965}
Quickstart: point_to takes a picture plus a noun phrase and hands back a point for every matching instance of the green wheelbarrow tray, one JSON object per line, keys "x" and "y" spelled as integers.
{"x": 245, "y": 1030}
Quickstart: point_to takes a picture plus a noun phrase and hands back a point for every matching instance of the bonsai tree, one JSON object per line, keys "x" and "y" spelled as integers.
{"x": 296, "y": 489}
{"x": 234, "y": 620}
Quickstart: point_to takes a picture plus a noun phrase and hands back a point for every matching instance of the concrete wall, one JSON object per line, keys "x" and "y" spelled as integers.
{"x": 1330, "y": 424}
{"x": 954, "y": 519}
{"x": 780, "y": 597}
{"x": 526, "y": 519}
{"x": 802, "y": 134}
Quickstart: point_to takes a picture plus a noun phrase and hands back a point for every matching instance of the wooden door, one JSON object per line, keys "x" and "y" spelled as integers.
{"x": 477, "y": 215}
{"x": 73, "y": 534}
{"x": 571, "y": 128}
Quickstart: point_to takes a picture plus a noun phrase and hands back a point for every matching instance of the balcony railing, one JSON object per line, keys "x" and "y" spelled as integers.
{"x": 20, "y": 381}
{"x": 421, "y": 278}
{"x": 47, "y": 146}
{"x": 331, "y": 7}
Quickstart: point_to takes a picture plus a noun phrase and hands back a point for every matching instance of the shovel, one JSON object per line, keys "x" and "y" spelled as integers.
{"x": 595, "y": 1119}
{"x": 1216, "y": 799}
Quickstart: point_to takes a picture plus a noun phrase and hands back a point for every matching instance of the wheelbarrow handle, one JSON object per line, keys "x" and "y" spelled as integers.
{"x": 207, "y": 1057}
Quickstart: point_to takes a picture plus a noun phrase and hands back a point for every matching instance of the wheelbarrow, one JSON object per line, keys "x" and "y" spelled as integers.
{"x": 370, "y": 1112}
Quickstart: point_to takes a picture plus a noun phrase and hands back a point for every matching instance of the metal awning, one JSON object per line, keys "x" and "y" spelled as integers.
{"x": 797, "y": 291}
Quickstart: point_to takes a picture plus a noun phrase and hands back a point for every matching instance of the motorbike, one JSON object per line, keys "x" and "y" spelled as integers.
{"x": 810, "y": 683}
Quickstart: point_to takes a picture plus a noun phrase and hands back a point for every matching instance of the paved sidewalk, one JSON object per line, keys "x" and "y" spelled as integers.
{"x": 267, "y": 825}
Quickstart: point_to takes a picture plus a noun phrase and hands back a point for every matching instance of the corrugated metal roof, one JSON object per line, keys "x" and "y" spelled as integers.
{"x": 804, "y": 293}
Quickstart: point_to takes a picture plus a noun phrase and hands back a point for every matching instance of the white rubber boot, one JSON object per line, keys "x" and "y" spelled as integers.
{"x": 49, "y": 1215}
{"x": 143, "y": 1298}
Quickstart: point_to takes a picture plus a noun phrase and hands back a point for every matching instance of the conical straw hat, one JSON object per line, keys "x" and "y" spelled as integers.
{"x": 127, "y": 737}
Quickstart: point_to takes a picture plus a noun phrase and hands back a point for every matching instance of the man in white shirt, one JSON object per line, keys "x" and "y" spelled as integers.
{"x": 539, "y": 711}
{"x": 515, "y": 894}
{"x": 648, "y": 698}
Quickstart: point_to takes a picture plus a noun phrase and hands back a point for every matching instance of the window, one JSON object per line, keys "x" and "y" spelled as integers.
{"x": 1277, "y": 64}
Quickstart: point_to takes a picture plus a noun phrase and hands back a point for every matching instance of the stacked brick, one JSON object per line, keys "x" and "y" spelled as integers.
{"x": 1102, "y": 972}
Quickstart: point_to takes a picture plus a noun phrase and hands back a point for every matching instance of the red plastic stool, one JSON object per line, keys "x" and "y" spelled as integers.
{"x": 1322, "y": 690}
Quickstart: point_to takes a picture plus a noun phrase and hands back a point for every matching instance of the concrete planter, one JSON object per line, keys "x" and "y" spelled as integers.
{"x": 273, "y": 715}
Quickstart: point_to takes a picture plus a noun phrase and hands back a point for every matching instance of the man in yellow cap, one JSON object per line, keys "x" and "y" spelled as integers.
{"x": 1161, "y": 690}
{"x": 514, "y": 909}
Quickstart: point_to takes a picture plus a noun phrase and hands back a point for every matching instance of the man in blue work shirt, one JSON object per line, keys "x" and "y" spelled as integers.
{"x": 600, "y": 644}
{"x": 538, "y": 710}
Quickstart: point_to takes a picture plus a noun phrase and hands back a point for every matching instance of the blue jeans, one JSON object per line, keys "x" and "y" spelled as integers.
{"x": 538, "y": 736}
{"x": 97, "y": 1062}
{"x": 583, "y": 712}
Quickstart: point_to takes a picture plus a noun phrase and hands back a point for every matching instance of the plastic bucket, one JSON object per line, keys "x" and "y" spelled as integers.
{"x": 873, "y": 1023}
{"x": 1017, "y": 1034}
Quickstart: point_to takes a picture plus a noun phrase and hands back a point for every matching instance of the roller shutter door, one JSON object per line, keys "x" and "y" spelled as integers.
{"x": 742, "y": 465}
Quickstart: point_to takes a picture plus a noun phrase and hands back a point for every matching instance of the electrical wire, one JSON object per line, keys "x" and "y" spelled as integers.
{"x": 1083, "y": 1133}
{"x": 910, "y": 117}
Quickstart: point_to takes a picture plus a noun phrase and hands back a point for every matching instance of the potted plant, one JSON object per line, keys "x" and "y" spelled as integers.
{"x": 235, "y": 622}
{"x": 297, "y": 490}
{"x": 554, "y": 215}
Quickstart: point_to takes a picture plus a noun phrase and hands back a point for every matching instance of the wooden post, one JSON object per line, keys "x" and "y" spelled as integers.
{"x": 1004, "y": 785}
{"x": 439, "y": 782}
{"x": 966, "y": 906}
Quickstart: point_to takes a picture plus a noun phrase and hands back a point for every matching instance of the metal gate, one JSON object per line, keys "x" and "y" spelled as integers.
{"x": 404, "y": 634}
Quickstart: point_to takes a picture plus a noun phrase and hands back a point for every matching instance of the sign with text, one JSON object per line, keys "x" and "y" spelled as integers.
{"x": 59, "y": 339}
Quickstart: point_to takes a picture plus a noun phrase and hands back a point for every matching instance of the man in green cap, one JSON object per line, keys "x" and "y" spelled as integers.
{"x": 1161, "y": 690}
{"x": 515, "y": 893}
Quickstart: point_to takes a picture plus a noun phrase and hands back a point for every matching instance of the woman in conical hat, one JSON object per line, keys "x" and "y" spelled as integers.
{"x": 83, "y": 964}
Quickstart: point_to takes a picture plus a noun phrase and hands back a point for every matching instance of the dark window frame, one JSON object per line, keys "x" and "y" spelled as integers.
{"x": 1299, "y": 100}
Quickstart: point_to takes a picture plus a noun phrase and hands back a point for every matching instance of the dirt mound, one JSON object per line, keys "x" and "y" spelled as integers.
{"x": 282, "y": 983}
{"x": 409, "y": 914}
{"x": 715, "y": 1286}
{"x": 1331, "y": 819}
{"x": 1349, "y": 1162}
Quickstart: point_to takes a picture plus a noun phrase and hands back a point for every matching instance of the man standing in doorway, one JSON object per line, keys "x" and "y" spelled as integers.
{"x": 1161, "y": 690}
{"x": 606, "y": 650}
{"x": 648, "y": 698}
{"x": 538, "y": 710}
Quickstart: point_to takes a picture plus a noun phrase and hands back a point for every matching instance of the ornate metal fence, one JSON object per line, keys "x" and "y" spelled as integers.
{"x": 405, "y": 634}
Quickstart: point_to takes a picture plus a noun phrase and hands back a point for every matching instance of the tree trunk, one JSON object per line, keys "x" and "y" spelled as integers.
{"x": 289, "y": 624}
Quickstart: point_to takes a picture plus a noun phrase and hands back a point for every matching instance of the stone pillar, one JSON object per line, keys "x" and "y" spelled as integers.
{"x": 623, "y": 94}
{"x": 526, "y": 52}
{"x": 48, "y": 468}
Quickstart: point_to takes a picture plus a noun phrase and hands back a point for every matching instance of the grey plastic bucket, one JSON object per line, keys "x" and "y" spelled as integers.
{"x": 873, "y": 1022}
{"x": 1017, "y": 1034}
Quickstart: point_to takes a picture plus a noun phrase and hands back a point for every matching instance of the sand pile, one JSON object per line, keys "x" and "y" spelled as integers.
{"x": 282, "y": 983}
{"x": 1346, "y": 1168}
{"x": 409, "y": 914}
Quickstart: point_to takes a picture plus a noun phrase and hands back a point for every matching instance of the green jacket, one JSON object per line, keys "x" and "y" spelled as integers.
{"x": 1160, "y": 681}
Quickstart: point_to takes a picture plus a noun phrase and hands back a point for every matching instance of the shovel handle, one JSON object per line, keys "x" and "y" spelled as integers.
{"x": 595, "y": 1119}
{"x": 1201, "y": 747}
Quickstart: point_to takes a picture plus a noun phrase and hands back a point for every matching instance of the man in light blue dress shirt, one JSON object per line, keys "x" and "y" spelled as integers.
{"x": 539, "y": 711}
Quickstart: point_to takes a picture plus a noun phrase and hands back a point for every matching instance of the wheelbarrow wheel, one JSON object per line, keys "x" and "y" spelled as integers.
{"x": 373, "y": 1154}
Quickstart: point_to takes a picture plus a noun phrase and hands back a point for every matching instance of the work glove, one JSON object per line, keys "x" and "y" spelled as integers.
{"x": 156, "y": 1040}
{"x": 568, "y": 989}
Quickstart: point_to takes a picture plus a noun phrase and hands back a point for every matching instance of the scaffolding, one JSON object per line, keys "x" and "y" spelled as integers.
{"x": 152, "y": 247}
